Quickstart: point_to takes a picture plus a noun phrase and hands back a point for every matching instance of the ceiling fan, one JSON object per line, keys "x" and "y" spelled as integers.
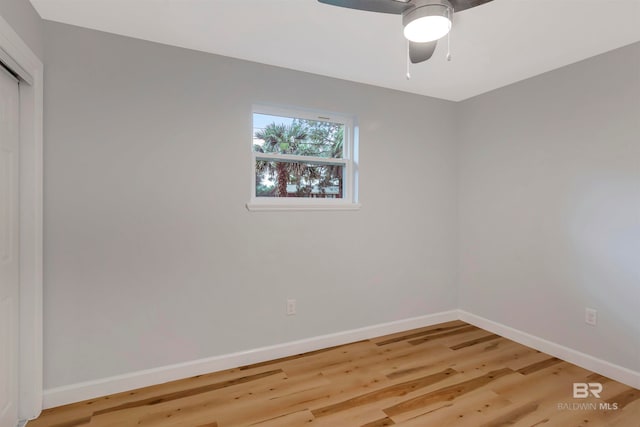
{"x": 424, "y": 21}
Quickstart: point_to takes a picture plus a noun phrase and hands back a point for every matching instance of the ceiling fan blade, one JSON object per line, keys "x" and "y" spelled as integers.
{"x": 419, "y": 52}
{"x": 383, "y": 6}
{"x": 460, "y": 5}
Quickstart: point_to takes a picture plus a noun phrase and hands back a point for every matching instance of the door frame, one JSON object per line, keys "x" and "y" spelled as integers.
{"x": 15, "y": 53}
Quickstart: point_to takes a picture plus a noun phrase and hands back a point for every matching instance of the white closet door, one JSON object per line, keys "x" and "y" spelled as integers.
{"x": 9, "y": 250}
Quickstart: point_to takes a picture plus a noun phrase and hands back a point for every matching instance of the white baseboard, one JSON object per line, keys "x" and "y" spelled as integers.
{"x": 88, "y": 390}
{"x": 602, "y": 367}
{"x": 91, "y": 389}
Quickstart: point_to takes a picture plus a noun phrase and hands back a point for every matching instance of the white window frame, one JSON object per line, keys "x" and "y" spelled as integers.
{"x": 349, "y": 201}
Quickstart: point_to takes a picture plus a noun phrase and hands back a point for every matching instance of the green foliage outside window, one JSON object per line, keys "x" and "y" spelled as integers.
{"x": 300, "y": 137}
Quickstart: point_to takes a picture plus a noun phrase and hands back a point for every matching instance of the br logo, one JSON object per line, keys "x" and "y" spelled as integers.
{"x": 583, "y": 390}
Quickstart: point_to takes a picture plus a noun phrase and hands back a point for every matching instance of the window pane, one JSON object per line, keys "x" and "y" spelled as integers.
{"x": 297, "y": 179}
{"x": 287, "y": 135}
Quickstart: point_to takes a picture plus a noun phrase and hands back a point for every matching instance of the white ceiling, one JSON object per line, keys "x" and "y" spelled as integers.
{"x": 492, "y": 45}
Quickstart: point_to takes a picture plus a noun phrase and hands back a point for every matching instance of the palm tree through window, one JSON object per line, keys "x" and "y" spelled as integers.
{"x": 301, "y": 157}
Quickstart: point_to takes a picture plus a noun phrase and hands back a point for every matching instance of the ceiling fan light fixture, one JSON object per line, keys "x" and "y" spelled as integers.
{"x": 429, "y": 20}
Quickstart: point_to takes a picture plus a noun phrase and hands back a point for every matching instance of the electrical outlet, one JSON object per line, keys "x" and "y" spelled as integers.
{"x": 291, "y": 307}
{"x": 590, "y": 316}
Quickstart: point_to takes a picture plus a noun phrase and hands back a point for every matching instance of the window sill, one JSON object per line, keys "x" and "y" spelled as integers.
{"x": 266, "y": 206}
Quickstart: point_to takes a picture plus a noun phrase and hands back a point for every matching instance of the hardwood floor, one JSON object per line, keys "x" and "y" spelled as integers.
{"x": 452, "y": 374}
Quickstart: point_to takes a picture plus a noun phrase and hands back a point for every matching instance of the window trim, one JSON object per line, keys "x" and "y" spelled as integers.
{"x": 349, "y": 201}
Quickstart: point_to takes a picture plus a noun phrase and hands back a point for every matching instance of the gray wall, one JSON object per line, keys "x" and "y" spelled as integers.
{"x": 550, "y": 206}
{"x": 151, "y": 257}
{"x": 24, "y": 19}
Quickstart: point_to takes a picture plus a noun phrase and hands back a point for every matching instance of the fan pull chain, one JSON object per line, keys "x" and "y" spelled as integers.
{"x": 408, "y": 62}
{"x": 449, "y": 46}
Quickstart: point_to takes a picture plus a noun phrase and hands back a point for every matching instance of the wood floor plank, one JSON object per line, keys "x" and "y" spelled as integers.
{"x": 476, "y": 341}
{"x": 421, "y": 333}
{"x": 452, "y": 374}
{"x": 400, "y": 389}
{"x": 630, "y": 412}
{"x": 293, "y": 419}
{"x": 413, "y": 360}
{"x": 187, "y": 393}
{"x": 445, "y": 394}
{"x": 535, "y": 367}
{"x": 382, "y": 422}
{"x": 476, "y": 408}
{"x": 512, "y": 416}
{"x": 463, "y": 331}
{"x": 436, "y": 356}
{"x": 624, "y": 398}
{"x": 487, "y": 357}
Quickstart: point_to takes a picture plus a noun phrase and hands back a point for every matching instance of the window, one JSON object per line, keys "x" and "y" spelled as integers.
{"x": 302, "y": 160}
